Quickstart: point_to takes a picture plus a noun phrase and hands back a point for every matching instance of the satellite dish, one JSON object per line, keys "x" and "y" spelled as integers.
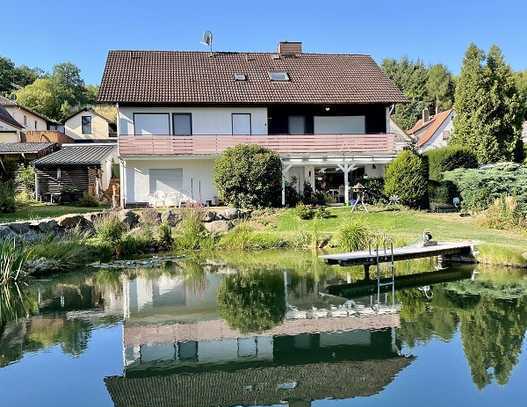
{"x": 207, "y": 39}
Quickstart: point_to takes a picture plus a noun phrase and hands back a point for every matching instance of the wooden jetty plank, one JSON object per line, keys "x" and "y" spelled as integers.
{"x": 364, "y": 257}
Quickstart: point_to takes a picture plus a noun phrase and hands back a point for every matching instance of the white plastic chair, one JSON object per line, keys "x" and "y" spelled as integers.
{"x": 159, "y": 198}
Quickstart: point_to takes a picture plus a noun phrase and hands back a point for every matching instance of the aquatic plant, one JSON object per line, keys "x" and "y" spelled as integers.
{"x": 192, "y": 234}
{"x": 245, "y": 237}
{"x": 12, "y": 260}
{"x": 109, "y": 228}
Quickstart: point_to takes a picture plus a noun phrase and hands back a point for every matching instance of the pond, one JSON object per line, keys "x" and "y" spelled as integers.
{"x": 240, "y": 332}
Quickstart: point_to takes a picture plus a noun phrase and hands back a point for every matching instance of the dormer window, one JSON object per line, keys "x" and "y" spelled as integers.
{"x": 279, "y": 76}
{"x": 240, "y": 77}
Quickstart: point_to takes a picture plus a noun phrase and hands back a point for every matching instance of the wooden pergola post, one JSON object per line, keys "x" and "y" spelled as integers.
{"x": 285, "y": 170}
{"x": 346, "y": 168}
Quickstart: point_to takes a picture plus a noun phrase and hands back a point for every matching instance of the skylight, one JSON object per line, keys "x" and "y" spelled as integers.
{"x": 240, "y": 77}
{"x": 279, "y": 76}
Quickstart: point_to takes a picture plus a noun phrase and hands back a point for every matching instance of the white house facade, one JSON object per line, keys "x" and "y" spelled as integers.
{"x": 326, "y": 115}
{"x": 433, "y": 132}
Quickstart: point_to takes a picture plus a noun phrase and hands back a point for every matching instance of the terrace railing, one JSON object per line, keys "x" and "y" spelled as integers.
{"x": 138, "y": 145}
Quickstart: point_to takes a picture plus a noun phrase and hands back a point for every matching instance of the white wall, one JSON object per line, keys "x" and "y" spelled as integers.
{"x": 205, "y": 120}
{"x": 196, "y": 173}
{"x": 438, "y": 139}
{"x": 18, "y": 114}
{"x": 9, "y": 137}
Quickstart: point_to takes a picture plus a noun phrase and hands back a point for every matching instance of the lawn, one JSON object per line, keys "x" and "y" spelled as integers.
{"x": 495, "y": 246}
{"x": 40, "y": 211}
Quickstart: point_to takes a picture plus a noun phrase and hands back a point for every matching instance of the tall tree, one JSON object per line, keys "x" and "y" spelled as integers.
{"x": 410, "y": 77}
{"x": 489, "y": 112}
{"x": 13, "y": 77}
{"x": 440, "y": 87}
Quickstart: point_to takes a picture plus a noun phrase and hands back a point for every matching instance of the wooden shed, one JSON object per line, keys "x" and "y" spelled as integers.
{"x": 74, "y": 170}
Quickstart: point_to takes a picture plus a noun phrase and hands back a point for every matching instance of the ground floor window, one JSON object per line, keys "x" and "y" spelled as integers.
{"x": 166, "y": 180}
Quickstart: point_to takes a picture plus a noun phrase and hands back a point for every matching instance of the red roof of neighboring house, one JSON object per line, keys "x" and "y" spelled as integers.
{"x": 429, "y": 128}
{"x": 173, "y": 77}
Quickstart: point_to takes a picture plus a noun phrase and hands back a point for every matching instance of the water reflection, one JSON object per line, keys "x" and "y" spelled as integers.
{"x": 217, "y": 334}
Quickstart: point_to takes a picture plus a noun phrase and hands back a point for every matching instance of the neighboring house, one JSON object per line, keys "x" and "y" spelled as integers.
{"x": 401, "y": 138}
{"x": 87, "y": 125}
{"x": 28, "y": 118}
{"x": 26, "y": 152}
{"x": 74, "y": 170}
{"x": 327, "y": 115}
{"x": 10, "y": 129}
{"x": 433, "y": 132}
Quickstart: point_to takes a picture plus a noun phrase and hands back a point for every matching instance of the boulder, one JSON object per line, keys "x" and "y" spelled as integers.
{"x": 7, "y": 233}
{"x": 129, "y": 218}
{"x": 46, "y": 226}
{"x": 20, "y": 227}
{"x": 229, "y": 214}
{"x": 69, "y": 222}
{"x": 30, "y": 236}
{"x": 94, "y": 216}
{"x": 171, "y": 217}
{"x": 218, "y": 226}
{"x": 209, "y": 216}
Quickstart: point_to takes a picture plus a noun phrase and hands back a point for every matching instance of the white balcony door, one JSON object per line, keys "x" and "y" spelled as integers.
{"x": 340, "y": 124}
{"x": 166, "y": 180}
{"x": 151, "y": 123}
{"x": 241, "y": 123}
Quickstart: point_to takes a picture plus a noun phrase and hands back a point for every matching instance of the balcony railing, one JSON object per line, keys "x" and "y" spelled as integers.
{"x": 139, "y": 145}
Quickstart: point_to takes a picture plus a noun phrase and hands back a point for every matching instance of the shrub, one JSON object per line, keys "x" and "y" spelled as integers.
{"x": 88, "y": 201}
{"x": 25, "y": 181}
{"x": 292, "y": 197}
{"x": 138, "y": 241}
{"x": 165, "y": 238}
{"x": 442, "y": 192}
{"x": 109, "y": 229}
{"x": 407, "y": 178}
{"x": 448, "y": 159}
{"x": 249, "y": 176}
{"x": 503, "y": 213}
{"x": 7, "y": 196}
{"x": 480, "y": 187}
{"x": 374, "y": 190}
{"x": 322, "y": 213}
{"x": 304, "y": 212}
{"x": 353, "y": 236}
{"x": 245, "y": 237}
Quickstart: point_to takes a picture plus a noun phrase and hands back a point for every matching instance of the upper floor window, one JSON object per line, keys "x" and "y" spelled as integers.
{"x": 182, "y": 124}
{"x": 86, "y": 124}
{"x": 241, "y": 123}
{"x": 279, "y": 76}
{"x": 151, "y": 123}
{"x": 25, "y": 120}
{"x": 35, "y": 124}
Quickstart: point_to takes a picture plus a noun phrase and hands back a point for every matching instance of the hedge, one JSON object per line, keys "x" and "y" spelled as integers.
{"x": 249, "y": 176}
{"x": 447, "y": 159}
{"x": 407, "y": 178}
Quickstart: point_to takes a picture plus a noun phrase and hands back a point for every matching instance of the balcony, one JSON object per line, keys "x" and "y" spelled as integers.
{"x": 338, "y": 144}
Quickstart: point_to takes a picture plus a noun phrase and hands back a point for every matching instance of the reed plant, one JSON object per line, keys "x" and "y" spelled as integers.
{"x": 13, "y": 257}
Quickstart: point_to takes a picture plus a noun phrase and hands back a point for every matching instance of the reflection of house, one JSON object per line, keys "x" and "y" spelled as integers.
{"x": 433, "y": 132}
{"x": 87, "y": 125}
{"x": 75, "y": 169}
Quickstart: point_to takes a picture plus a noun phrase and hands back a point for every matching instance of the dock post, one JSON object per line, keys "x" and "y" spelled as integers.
{"x": 366, "y": 272}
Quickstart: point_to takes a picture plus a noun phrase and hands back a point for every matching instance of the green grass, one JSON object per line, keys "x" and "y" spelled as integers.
{"x": 40, "y": 211}
{"x": 406, "y": 226}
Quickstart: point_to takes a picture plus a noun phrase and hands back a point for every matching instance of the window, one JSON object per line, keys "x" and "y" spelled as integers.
{"x": 166, "y": 180}
{"x": 182, "y": 124}
{"x": 35, "y": 124}
{"x": 240, "y": 77}
{"x": 340, "y": 124}
{"x": 297, "y": 124}
{"x": 151, "y": 123}
{"x": 86, "y": 124}
{"x": 59, "y": 173}
{"x": 25, "y": 120}
{"x": 241, "y": 123}
{"x": 279, "y": 76}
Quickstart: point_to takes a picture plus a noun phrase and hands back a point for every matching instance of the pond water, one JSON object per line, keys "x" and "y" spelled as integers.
{"x": 224, "y": 333}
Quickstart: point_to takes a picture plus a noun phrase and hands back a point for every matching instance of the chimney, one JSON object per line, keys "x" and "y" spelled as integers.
{"x": 289, "y": 48}
{"x": 426, "y": 115}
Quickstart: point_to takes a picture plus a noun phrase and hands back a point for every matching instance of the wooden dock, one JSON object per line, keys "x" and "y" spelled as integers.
{"x": 458, "y": 250}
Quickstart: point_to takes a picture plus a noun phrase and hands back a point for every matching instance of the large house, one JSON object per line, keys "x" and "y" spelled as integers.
{"x": 327, "y": 115}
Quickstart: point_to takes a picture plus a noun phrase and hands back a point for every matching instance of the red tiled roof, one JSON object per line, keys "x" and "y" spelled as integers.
{"x": 430, "y": 127}
{"x": 173, "y": 77}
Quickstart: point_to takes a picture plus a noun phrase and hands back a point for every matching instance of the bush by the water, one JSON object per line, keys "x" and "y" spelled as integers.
{"x": 480, "y": 187}
{"x": 109, "y": 229}
{"x": 448, "y": 159}
{"x": 245, "y": 237}
{"x": 249, "y": 176}
{"x": 407, "y": 178}
{"x": 353, "y": 235}
{"x": 192, "y": 234}
{"x": 12, "y": 260}
{"x": 304, "y": 212}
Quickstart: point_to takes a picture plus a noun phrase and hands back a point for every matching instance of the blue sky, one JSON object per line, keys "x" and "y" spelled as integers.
{"x": 42, "y": 33}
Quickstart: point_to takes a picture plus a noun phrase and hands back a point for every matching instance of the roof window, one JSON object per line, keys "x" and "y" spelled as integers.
{"x": 279, "y": 76}
{"x": 240, "y": 77}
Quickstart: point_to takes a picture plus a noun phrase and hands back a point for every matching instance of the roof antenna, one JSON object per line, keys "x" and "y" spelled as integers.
{"x": 207, "y": 40}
